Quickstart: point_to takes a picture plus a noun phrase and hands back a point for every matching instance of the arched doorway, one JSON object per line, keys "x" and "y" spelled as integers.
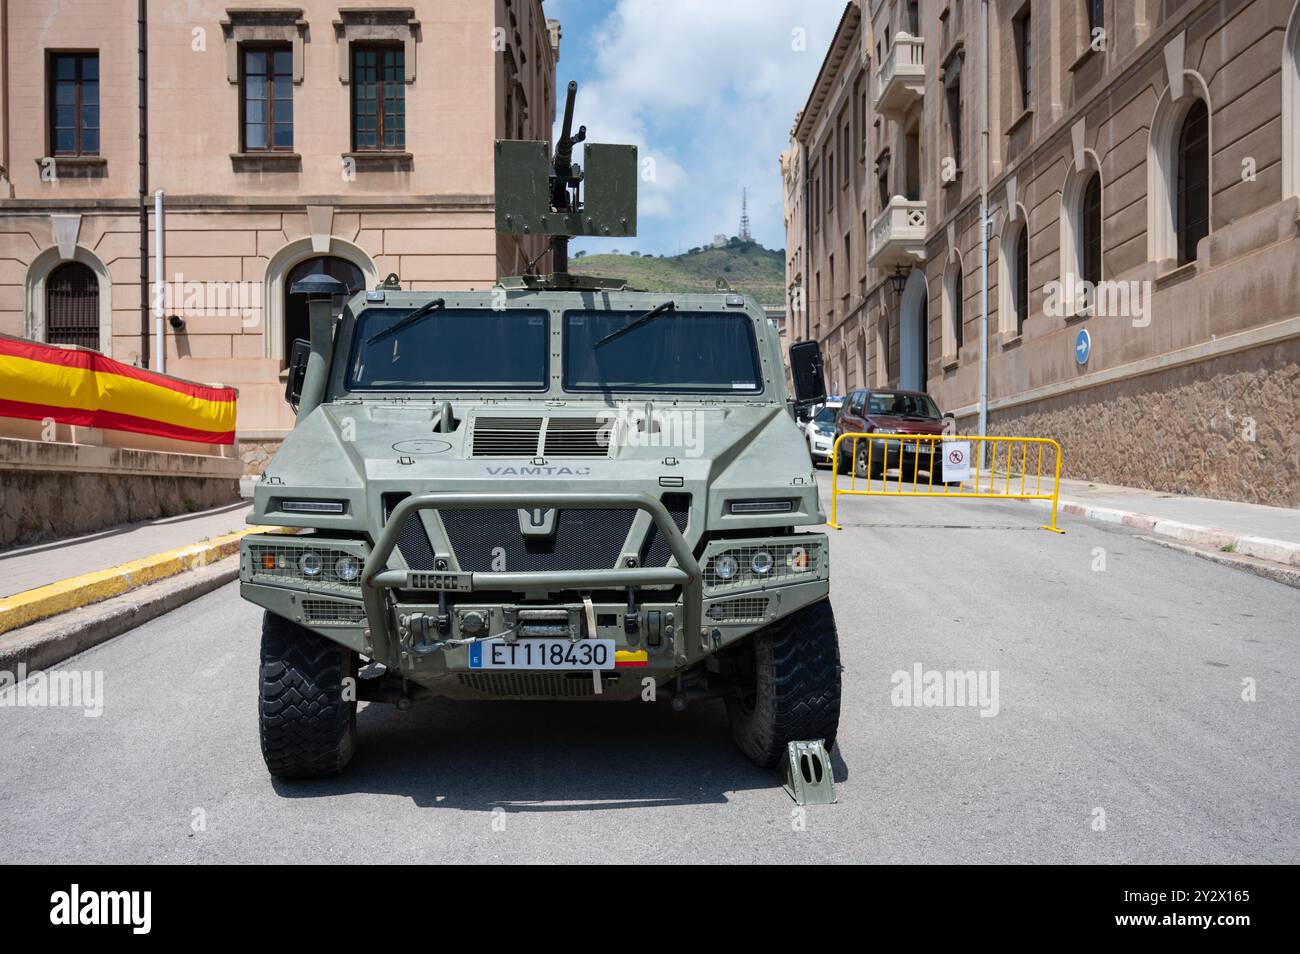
{"x": 295, "y": 306}
{"x": 914, "y": 333}
{"x": 72, "y": 306}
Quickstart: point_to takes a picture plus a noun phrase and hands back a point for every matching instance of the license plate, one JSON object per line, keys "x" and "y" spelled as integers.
{"x": 544, "y": 654}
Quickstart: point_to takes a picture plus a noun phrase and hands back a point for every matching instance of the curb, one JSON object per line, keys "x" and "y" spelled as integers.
{"x": 51, "y": 641}
{"x": 1228, "y": 541}
{"x": 31, "y": 606}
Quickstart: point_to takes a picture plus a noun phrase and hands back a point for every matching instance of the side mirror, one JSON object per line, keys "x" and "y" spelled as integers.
{"x": 299, "y": 351}
{"x": 808, "y": 374}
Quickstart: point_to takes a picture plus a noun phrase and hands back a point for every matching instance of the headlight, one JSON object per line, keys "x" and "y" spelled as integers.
{"x": 724, "y": 567}
{"x": 312, "y": 506}
{"x": 309, "y": 563}
{"x": 347, "y": 568}
{"x": 885, "y": 430}
{"x": 761, "y": 563}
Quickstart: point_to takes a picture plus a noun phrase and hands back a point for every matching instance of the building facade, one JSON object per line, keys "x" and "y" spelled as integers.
{"x": 354, "y": 139}
{"x": 1141, "y": 162}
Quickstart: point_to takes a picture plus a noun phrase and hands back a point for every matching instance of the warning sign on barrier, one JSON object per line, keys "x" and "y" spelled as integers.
{"x": 956, "y": 461}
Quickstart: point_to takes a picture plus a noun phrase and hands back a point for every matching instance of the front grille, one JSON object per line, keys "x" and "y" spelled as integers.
{"x": 576, "y": 437}
{"x": 746, "y": 609}
{"x": 506, "y": 436}
{"x": 655, "y": 551}
{"x": 412, "y": 541}
{"x": 534, "y": 683}
{"x": 332, "y": 612}
{"x": 585, "y": 538}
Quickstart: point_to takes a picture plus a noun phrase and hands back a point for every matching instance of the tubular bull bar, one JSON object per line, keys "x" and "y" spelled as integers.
{"x": 376, "y": 577}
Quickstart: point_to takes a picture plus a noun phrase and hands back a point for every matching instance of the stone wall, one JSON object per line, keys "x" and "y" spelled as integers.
{"x": 50, "y": 491}
{"x": 1223, "y": 428}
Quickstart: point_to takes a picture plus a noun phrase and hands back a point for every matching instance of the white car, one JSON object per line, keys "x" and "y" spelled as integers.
{"x": 820, "y": 433}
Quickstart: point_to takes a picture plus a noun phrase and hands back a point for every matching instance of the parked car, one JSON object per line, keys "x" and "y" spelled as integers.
{"x": 890, "y": 411}
{"x": 819, "y": 432}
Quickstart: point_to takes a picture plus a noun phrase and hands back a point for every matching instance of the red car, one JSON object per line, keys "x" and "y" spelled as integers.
{"x": 889, "y": 411}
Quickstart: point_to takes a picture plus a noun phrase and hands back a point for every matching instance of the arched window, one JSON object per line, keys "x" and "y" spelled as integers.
{"x": 295, "y": 307}
{"x": 1090, "y": 232}
{"x": 1192, "y": 200}
{"x": 1021, "y": 288}
{"x": 72, "y": 306}
{"x": 953, "y": 336}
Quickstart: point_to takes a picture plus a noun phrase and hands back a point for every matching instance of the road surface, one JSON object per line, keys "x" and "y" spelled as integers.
{"x": 1121, "y": 733}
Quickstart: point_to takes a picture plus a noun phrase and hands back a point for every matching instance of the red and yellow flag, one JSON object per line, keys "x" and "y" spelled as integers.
{"x": 38, "y": 381}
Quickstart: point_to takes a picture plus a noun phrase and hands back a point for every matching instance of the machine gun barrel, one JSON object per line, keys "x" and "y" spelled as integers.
{"x": 563, "y": 162}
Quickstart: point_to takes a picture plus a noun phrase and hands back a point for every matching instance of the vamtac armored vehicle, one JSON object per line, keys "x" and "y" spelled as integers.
{"x": 557, "y": 488}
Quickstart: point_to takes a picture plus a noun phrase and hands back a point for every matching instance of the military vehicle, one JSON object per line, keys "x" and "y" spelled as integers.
{"x": 556, "y": 488}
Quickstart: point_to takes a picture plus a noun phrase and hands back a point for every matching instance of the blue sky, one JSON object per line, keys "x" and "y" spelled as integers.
{"x": 708, "y": 90}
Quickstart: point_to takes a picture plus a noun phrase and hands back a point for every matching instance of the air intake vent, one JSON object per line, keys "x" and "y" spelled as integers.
{"x": 506, "y": 436}
{"x": 577, "y": 437}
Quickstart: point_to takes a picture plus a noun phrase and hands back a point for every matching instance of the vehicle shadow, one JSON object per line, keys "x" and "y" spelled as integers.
{"x": 546, "y": 756}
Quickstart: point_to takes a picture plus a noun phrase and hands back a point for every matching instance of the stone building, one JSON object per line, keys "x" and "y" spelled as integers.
{"x": 354, "y": 138}
{"x": 1143, "y": 184}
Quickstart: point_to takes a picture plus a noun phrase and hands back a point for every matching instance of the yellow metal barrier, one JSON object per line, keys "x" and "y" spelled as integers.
{"x": 927, "y": 452}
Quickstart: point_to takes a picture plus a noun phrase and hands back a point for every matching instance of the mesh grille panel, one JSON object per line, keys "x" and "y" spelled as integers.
{"x": 323, "y": 612}
{"x": 282, "y": 562}
{"x": 532, "y": 683}
{"x": 584, "y": 539}
{"x": 576, "y": 437}
{"x": 746, "y": 608}
{"x": 655, "y": 552}
{"x": 506, "y": 436}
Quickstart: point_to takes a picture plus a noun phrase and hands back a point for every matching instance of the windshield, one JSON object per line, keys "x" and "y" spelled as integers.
{"x": 674, "y": 351}
{"x": 826, "y": 416}
{"x": 465, "y": 349}
{"x": 902, "y": 405}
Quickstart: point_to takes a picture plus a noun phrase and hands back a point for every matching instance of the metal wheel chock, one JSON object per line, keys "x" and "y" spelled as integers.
{"x": 808, "y": 773}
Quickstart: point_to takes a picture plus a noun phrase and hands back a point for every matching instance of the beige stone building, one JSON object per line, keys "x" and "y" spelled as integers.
{"x": 1143, "y": 181}
{"x": 353, "y": 137}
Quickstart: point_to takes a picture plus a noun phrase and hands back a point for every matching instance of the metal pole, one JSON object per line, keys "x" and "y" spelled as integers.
{"x": 160, "y": 346}
{"x": 984, "y": 242}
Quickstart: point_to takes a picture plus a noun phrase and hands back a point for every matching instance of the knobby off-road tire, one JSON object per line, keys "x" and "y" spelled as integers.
{"x": 308, "y": 729}
{"x": 790, "y": 685}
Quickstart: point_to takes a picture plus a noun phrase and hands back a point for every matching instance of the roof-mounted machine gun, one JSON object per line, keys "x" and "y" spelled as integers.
{"x": 554, "y": 196}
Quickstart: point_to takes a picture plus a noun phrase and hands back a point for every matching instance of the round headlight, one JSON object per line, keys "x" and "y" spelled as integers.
{"x": 309, "y": 563}
{"x": 761, "y": 563}
{"x": 347, "y": 568}
{"x": 724, "y": 567}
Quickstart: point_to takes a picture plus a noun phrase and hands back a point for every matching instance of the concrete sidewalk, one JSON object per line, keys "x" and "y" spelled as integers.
{"x": 1265, "y": 533}
{"x": 25, "y": 568}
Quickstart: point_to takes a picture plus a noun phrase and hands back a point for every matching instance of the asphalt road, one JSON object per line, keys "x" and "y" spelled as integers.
{"x": 1119, "y": 689}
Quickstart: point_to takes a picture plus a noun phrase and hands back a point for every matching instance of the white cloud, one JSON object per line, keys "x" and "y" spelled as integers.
{"x": 709, "y": 91}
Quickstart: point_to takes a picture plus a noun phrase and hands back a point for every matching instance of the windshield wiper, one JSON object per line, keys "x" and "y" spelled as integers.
{"x": 636, "y": 322}
{"x": 409, "y": 320}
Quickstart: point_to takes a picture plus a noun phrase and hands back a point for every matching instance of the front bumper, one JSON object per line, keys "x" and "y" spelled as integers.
{"x": 674, "y": 615}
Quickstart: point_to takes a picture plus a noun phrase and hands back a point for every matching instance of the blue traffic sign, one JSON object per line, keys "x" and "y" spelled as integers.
{"x": 1082, "y": 346}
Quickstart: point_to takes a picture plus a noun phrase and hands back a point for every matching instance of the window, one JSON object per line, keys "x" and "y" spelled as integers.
{"x": 266, "y": 98}
{"x": 1090, "y": 231}
{"x": 830, "y": 181}
{"x": 958, "y": 319}
{"x": 1024, "y": 59}
{"x": 74, "y": 104}
{"x": 72, "y": 306}
{"x": 882, "y": 178}
{"x": 378, "y": 98}
{"x": 914, "y": 17}
{"x": 953, "y": 95}
{"x": 1096, "y": 16}
{"x": 1192, "y": 212}
{"x": 912, "y": 179}
{"x": 1022, "y": 279}
{"x": 846, "y": 150}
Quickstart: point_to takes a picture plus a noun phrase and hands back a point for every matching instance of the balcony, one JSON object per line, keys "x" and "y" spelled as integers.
{"x": 898, "y": 234}
{"x": 900, "y": 77}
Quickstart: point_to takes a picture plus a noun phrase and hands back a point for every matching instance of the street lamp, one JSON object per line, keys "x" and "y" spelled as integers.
{"x": 899, "y": 278}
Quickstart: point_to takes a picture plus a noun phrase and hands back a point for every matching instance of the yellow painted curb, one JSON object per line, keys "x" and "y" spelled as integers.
{"x": 54, "y": 598}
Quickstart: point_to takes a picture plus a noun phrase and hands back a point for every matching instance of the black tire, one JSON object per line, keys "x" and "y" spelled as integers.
{"x": 877, "y": 466}
{"x": 789, "y": 673}
{"x": 308, "y": 729}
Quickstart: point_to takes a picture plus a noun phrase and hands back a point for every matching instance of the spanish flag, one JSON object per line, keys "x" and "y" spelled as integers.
{"x": 38, "y": 381}
{"x": 627, "y": 658}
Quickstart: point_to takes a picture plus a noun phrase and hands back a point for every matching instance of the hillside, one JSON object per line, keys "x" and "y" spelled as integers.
{"x": 747, "y": 266}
